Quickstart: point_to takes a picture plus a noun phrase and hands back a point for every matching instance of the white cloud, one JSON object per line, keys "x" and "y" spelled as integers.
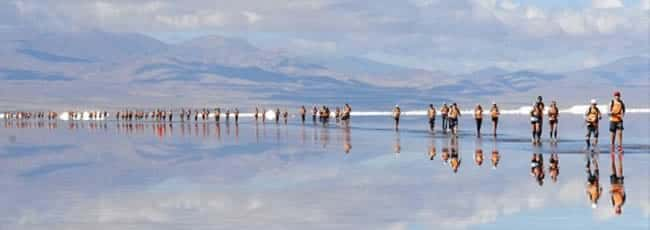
{"x": 509, "y": 5}
{"x": 604, "y": 4}
{"x": 251, "y": 17}
{"x": 645, "y": 4}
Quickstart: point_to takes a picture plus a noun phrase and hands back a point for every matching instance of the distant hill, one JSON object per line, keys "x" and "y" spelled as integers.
{"x": 113, "y": 69}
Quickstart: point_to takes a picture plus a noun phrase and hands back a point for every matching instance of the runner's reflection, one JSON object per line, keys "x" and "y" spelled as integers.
{"x": 537, "y": 168}
{"x": 593, "y": 189}
{"x": 432, "y": 150}
{"x": 478, "y": 152}
{"x": 347, "y": 138}
{"x": 495, "y": 158}
{"x": 454, "y": 158}
{"x": 617, "y": 184}
{"x": 554, "y": 163}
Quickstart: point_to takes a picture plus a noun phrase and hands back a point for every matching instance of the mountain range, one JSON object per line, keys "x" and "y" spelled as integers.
{"x": 113, "y": 70}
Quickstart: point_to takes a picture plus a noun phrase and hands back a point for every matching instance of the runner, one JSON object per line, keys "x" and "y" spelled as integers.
{"x": 444, "y": 111}
{"x": 478, "y": 116}
{"x": 553, "y": 113}
{"x": 431, "y": 113}
{"x": 535, "y": 121}
{"x": 303, "y": 113}
{"x": 397, "y": 112}
{"x": 592, "y": 118}
{"x": 616, "y": 114}
{"x": 236, "y": 116}
{"x": 495, "y": 113}
{"x": 454, "y": 114}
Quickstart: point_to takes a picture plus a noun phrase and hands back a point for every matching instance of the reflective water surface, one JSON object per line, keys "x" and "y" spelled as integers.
{"x": 365, "y": 175}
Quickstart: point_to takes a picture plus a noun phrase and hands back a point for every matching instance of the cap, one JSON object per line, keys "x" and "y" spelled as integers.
{"x": 594, "y": 205}
{"x": 396, "y": 105}
{"x": 593, "y": 101}
{"x": 494, "y": 102}
{"x": 617, "y": 94}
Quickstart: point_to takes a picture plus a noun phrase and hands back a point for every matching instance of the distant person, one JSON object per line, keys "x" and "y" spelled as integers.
{"x": 592, "y": 118}
{"x": 217, "y": 115}
{"x": 397, "y": 112}
{"x": 494, "y": 114}
{"x": 285, "y": 116}
{"x": 227, "y": 115}
{"x": 263, "y": 114}
{"x": 553, "y": 114}
{"x": 616, "y": 114}
{"x": 617, "y": 183}
{"x": 535, "y": 120}
{"x": 314, "y": 113}
{"x": 236, "y": 116}
{"x": 257, "y": 113}
{"x": 593, "y": 189}
{"x": 277, "y": 115}
{"x": 444, "y": 112}
{"x": 337, "y": 114}
{"x": 346, "y": 112}
{"x": 540, "y": 105}
{"x": 431, "y": 113}
{"x": 170, "y": 116}
{"x": 303, "y": 113}
{"x": 454, "y": 114}
{"x": 478, "y": 117}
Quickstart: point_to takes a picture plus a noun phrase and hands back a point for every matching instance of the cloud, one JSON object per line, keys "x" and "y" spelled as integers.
{"x": 251, "y": 17}
{"x": 606, "y": 3}
{"x": 479, "y": 33}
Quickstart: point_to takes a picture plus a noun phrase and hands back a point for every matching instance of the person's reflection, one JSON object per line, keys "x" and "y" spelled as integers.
{"x": 554, "y": 164}
{"x": 347, "y": 143}
{"x": 594, "y": 189}
{"x": 478, "y": 153}
{"x": 495, "y": 154}
{"x": 432, "y": 150}
{"x": 257, "y": 131}
{"x": 227, "y": 127}
{"x": 617, "y": 190}
{"x": 324, "y": 136}
{"x": 537, "y": 168}
{"x": 445, "y": 153}
{"x": 217, "y": 130}
{"x": 236, "y": 131}
{"x": 454, "y": 158}
{"x": 397, "y": 147}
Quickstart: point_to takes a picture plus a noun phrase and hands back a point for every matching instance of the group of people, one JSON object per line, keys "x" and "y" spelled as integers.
{"x": 29, "y": 115}
{"x": 592, "y": 117}
{"x": 450, "y": 115}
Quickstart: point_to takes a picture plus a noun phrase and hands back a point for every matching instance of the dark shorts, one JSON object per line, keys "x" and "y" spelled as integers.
{"x": 453, "y": 122}
{"x": 615, "y": 125}
{"x": 613, "y": 179}
{"x": 495, "y": 119}
{"x": 552, "y": 122}
{"x": 432, "y": 120}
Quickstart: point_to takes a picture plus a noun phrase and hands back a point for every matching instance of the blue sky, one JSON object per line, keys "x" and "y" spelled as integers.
{"x": 454, "y": 36}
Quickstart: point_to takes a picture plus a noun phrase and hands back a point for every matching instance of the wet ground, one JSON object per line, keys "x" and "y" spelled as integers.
{"x": 110, "y": 175}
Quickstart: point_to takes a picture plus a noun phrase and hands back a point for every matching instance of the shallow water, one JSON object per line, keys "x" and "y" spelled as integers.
{"x": 109, "y": 175}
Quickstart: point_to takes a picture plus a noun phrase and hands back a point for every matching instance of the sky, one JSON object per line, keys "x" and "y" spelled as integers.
{"x": 454, "y": 36}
